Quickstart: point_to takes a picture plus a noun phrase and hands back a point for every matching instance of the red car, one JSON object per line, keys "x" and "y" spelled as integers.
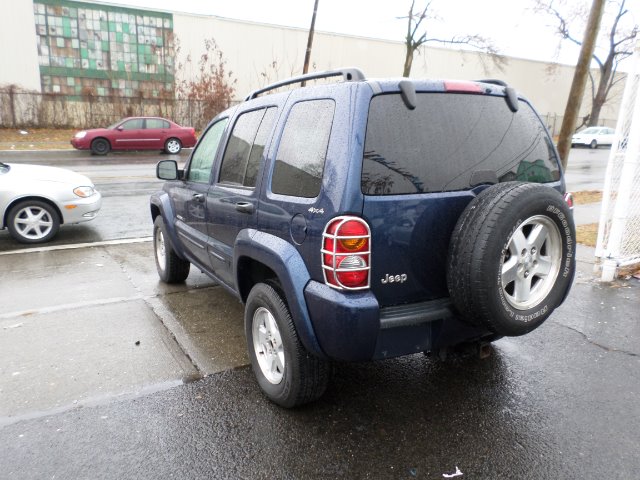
{"x": 136, "y": 133}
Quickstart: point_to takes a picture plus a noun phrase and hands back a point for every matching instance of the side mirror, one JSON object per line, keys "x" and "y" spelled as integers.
{"x": 167, "y": 170}
{"x": 120, "y": 128}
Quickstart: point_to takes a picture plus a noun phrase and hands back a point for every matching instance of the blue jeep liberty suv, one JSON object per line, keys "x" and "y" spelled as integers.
{"x": 366, "y": 219}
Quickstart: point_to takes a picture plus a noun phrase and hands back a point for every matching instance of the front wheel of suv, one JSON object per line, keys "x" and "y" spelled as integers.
{"x": 287, "y": 374}
{"x": 512, "y": 257}
{"x": 171, "y": 268}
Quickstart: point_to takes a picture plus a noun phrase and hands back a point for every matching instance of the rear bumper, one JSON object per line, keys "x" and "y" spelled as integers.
{"x": 352, "y": 326}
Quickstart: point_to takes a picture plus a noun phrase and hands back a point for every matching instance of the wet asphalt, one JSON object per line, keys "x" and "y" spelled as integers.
{"x": 561, "y": 402}
{"x": 130, "y": 378}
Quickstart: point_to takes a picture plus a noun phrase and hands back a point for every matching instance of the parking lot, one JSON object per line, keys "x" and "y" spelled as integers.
{"x": 107, "y": 373}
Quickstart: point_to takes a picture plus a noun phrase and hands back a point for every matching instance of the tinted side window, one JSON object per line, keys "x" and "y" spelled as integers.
{"x": 153, "y": 123}
{"x": 236, "y": 156}
{"x": 449, "y": 137}
{"x": 134, "y": 124}
{"x": 205, "y": 153}
{"x": 303, "y": 148}
{"x": 255, "y": 157}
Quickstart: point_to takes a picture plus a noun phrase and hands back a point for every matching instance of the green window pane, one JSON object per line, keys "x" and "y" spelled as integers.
{"x": 141, "y": 49}
{"x": 67, "y": 31}
{"x": 112, "y": 27}
{"x": 104, "y": 26}
{"x": 119, "y": 37}
{"x": 60, "y": 42}
{"x": 92, "y": 64}
{"x": 147, "y": 49}
{"x": 84, "y": 53}
{"x": 105, "y": 46}
{"x": 68, "y": 62}
{"x": 120, "y": 65}
{"x": 66, "y": 22}
{"x": 125, "y": 27}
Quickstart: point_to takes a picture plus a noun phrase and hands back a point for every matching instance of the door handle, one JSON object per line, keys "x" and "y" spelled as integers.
{"x": 198, "y": 197}
{"x": 244, "y": 207}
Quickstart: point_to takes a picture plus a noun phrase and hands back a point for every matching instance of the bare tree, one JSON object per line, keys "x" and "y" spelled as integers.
{"x": 579, "y": 80}
{"x": 212, "y": 87}
{"x": 417, "y": 37}
{"x": 615, "y": 44}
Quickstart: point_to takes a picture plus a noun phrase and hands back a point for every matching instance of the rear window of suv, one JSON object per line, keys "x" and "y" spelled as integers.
{"x": 450, "y": 142}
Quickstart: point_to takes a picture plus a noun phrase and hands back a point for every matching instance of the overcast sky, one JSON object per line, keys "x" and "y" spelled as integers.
{"x": 512, "y": 25}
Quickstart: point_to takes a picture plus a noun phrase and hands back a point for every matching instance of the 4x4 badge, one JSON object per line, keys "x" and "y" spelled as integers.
{"x": 316, "y": 210}
{"x": 394, "y": 278}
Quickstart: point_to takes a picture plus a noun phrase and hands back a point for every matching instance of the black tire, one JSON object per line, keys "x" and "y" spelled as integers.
{"x": 172, "y": 146}
{"x": 171, "y": 268}
{"x": 100, "y": 146}
{"x": 33, "y": 221}
{"x": 495, "y": 241}
{"x": 298, "y": 377}
{"x": 593, "y": 144}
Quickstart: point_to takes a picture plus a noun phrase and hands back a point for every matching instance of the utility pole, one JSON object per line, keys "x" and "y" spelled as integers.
{"x": 307, "y": 55}
{"x": 579, "y": 81}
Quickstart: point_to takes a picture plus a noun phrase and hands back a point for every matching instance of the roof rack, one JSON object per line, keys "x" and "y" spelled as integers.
{"x": 347, "y": 74}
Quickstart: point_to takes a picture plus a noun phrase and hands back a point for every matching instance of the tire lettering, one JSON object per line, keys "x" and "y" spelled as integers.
{"x": 533, "y": 316}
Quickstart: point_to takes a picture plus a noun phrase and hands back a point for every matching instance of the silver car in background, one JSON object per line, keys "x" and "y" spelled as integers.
{"x": 36, "y": 200}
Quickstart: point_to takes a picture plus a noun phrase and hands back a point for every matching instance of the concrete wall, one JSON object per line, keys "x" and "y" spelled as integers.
{"x": 18, "y": 48}
{"x": 250, "y": 50}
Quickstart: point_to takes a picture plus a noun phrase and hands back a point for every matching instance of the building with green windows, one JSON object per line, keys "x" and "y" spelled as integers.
{"x": 88, "y": 49}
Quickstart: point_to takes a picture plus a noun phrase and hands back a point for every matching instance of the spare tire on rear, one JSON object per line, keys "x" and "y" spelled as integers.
{"x": 512, "y": 257}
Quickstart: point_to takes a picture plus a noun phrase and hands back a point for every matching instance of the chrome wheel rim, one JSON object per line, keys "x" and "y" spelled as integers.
{"x": 33, "y": 223}
{"x": 160, "y": 250}
{"x": 173, "y": 146}
{"x": 267, "y": 345}
{"x": 531, "y": 263}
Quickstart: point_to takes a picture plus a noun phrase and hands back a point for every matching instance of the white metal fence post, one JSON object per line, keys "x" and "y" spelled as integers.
{"x": 621, "y": 190}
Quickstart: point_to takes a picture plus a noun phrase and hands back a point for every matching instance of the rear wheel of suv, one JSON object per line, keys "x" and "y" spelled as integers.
{"x": 171, "y": 268}
{"x": 287, "y": 374}
{"x": 512, "y": 257}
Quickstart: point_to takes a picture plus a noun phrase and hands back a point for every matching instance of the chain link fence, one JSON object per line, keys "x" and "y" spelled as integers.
{"x": 618, "y": 244}
{"x": 28, "y": 109}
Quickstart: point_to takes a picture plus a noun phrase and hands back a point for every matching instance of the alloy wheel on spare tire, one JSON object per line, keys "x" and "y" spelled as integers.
{"x": 512, "y": 257}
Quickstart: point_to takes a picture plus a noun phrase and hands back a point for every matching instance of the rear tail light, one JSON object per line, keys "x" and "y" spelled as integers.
{"x": 346, "y": 253}
{"x": 569, "y": 199}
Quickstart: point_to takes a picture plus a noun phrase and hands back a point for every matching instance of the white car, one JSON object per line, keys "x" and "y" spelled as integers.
{"x": 36, "y": 200}
{"x": 594, "y": 137}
